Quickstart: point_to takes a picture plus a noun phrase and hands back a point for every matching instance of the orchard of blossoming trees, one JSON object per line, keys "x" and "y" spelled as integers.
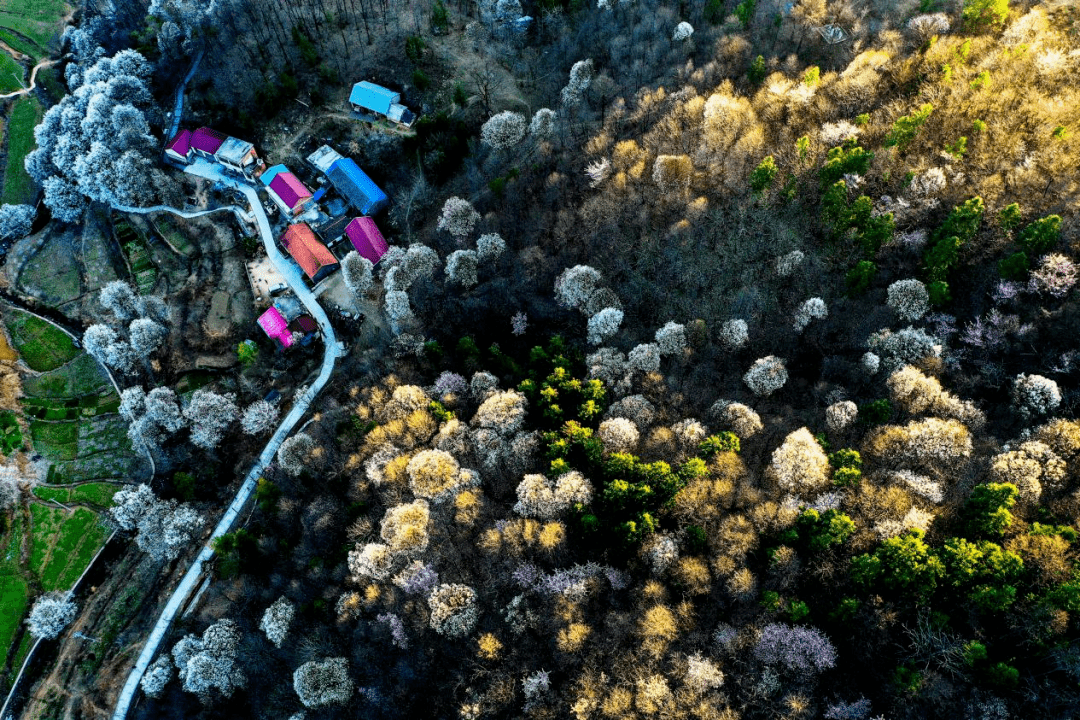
{"x": 720, "y": 366}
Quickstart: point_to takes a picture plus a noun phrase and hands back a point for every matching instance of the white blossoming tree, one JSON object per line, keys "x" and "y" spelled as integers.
{"x": 210, "y": 415}
{"x": 453, "y": 610}
{"x": 458, "y": 217}
{"x": 357, "y": 271}
{"x": 604, "y": 324}
{"x": 50, "y": 615}
{"x": 258, "y": 417}
{"x": 766, "y": 375}
{"x": 461, "y": 268}
{"x": 277, "y": 619}
{"x": 323, "y": 682}
{"x": 909, "y": 299}
{"x": 504, "y": 130}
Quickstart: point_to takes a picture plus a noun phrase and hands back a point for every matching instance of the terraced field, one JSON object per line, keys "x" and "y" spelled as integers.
{"x": 42, "y": 346}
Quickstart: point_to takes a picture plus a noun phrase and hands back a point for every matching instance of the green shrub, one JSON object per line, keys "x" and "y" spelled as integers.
{"x": 1003, "y": 675}
{"x": 184, "y": 484}
{"x": 859, "y": 277}
{"x": 844, "y": 160}
{"x": 907, "y": 127}
{"x": 744, "y": 11}
{"x": 440, "y": 412}
{"x": 847, "y": 477}
{"x": 1014, "y": 267}
{"x": 1041, "y": 235}
{"x": 420, "y": 80}
{"x": 757, "y": 70}
{"x": 862, "y": 120}
{"x": 845, "y": 610}
{"x": 963, "y": 221}
{"x": 414, "y": 48}
{"x": 904, "y": 564}
{"x": 939, "y": 293}
{"x": 798, "y": 611}
{"x": 266, "y": 495}
{"x": 957, "y": 149}
{"x": 812, "y": 76}
{"x": 440, "y": 18}
{"x": 461, "y": 98}
{"x": 978, "y": 126}
{"x": 821, "y": 531}
{"x": 942, "y": 257}
{"x": 1010, "y": 217}
{"x": 846, "y": 458}
{"x": 876, "y": 411}
{"x": 764, "y": 174}
{"x": 987, "y": 510}
{"x": 974, "y": 652}
{"x": 714, "y": 444}
{"x": 981, "y": 80}
{"x": 978, "y": 14}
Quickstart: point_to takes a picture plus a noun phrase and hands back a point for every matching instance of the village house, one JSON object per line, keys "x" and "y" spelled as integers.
{"x": 351, "y": 183}
{"x": 311, "y": 255}
{"x": 356, "y": 188}
{"x": 276, "y": 327}
{"x": 366, "y": 239}
{"x": 369, "y": 98}
{"x": 231, "y": 153}
{"x": 289, "y": 193}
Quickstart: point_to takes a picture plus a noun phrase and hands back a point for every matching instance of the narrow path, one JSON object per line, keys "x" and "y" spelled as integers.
{"x": 33, "y": 80}
{"x": 178, "y": 106}
{"x": 334, "y": 349}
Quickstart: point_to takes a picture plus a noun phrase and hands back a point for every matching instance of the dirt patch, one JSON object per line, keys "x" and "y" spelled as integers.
{"x": 217, "y": 319}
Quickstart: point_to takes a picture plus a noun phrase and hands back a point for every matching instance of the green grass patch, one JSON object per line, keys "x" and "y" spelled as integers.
{"x": 38, "y": 20}
{"x": 45, "y": 522}
{"x": 133, "y": 242}
{"x": 41, "y": 345}
{"x": 19, "y": 188}
{"x": 56, "y": 440}
{"x": 14, "y": 598}
{"x": 80, "y": 377}
{"x": 11, "y": 73}
{"x": 11, "y": 439}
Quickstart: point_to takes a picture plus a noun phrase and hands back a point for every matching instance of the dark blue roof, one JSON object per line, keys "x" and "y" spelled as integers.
{"x": 356, "y": 187}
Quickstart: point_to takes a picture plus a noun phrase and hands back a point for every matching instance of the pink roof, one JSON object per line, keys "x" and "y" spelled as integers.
{"x": 366, "y": 238}
{"x": 273, "y": 324}
{"x": 289, "y": 188}
{"x": 181, "y": 143}
{"x": 207, "y": 140}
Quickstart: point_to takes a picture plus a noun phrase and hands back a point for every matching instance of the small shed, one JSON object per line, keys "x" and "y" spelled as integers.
{"x": 276, "y": 327}
{"x": 179, "y": 148}
{"x": 206, "y": 141}
{"x": 289, "y": 193}
{"x": 364, "y": 235}
{"x": 311, "y": 255}
{"x": 356, "y": 187}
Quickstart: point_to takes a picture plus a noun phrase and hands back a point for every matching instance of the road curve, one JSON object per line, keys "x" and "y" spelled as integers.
{"x": 33, "y": 80}
{"x": 333, "y": 350}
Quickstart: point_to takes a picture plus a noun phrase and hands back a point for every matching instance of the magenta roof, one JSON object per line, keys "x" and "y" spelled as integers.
{"x": 274, "y": 325}
{"x": 207, "y": 140}
{"x": 366, "y": 238}
{"x": 289, "y": 188}
{"x": 181, "y": 143}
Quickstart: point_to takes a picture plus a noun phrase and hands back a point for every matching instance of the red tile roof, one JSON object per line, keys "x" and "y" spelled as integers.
{"x": 181, "y": 143}
{"x": 310, "y": 254}
{"x": 207, "y": 140}
{"x": 274, "y": 325}
{"x": 366, "y": 238}
{"x": 289, "y": 188}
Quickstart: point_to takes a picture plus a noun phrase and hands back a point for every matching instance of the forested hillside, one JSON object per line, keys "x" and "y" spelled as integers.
{"x": 725, "y": 363}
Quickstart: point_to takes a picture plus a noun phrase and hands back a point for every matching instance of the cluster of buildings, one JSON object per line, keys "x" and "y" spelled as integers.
{"x": 314, "y": 240}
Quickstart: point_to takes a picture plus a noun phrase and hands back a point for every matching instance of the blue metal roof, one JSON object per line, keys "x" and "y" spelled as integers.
{"x": 270, "y": 173}
{"x": 372, "y": 97}
{"x": 356, "y": 187}
{"x": 318, "y": 194}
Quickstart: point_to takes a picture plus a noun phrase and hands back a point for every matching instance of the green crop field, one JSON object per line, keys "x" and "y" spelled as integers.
{"x": 37, "y": 20}
{"x": 18, "y": 186}
{"x": 42, "y": 346}
{"x": 82, "y": 376}
{"x": 56, "y": 440}
{"x": 95, "y": 493}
